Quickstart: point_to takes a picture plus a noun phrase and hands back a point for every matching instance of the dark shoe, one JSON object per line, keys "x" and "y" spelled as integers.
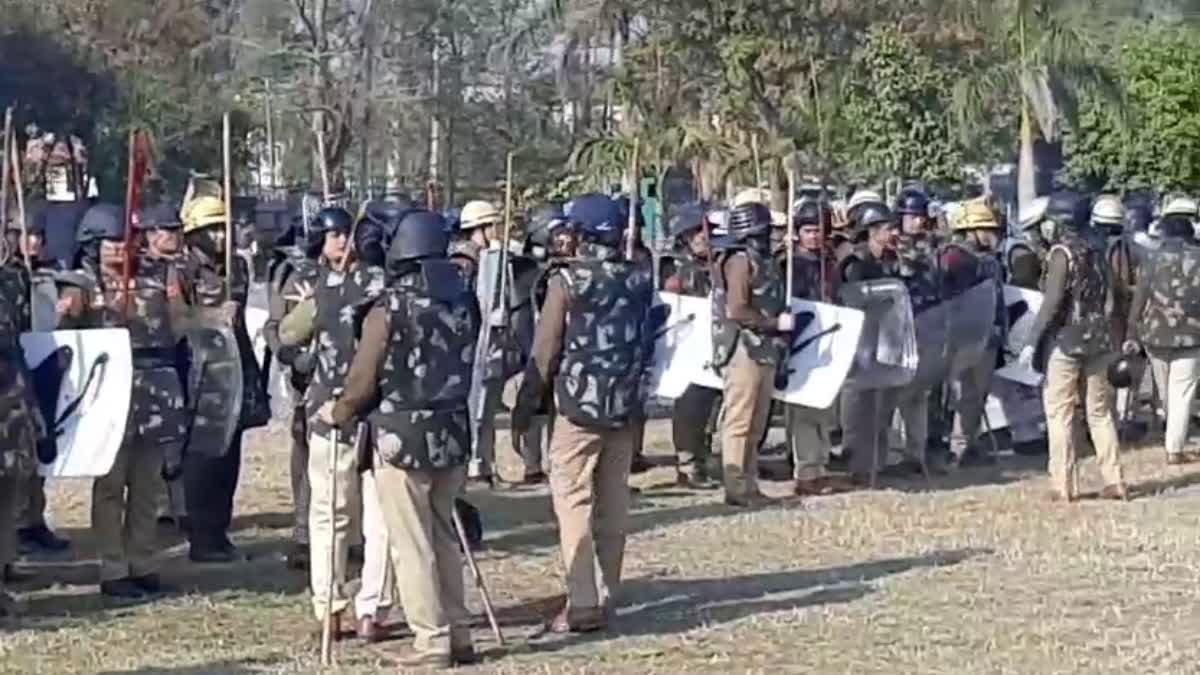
{"x": 465, "y": 656}
{"x": 211, "y": 555}
{"x": 427, "y": 661}
{"x": 972, "y": 458}
{"x": 151, "y": 584}
{"x": 40, "y": 537}
{"x": 752, "y": 500}
{"x": 906, "y": 468}
{"x": 639, "y": 465}
{"x": 125, "y": 589}
{"x": 8, "y": 605}
{"x": 822, "y": 486}
{"x": 1116, "y": 493}
{"x": 534, "y": 478}
{"x": 297, "y": 557}
{"x": 14, "y": 576}
{"x": 578, "y": 621}
{"x": 695, "y": 481}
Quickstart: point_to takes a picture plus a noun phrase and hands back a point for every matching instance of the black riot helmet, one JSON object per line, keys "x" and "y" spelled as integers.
{"x": 102, "y": 221}
{"x": 873, "y": 215}
{"x": 685, "y": 220}
{"x": 1138, "y": 216}
{"x": 160, "y": 217}
{"x": 1120, "y": 375}
{"x": 912, "y": 201}
{"x": 814, "y": 212}
{"x": 331, "y": 219}
{"x": 1068, "y": 209}
{"x": 541, "y": 223}
{"x": 598, "y": 219}
{"x": 420, "y": 234}
{"x": 749, "y": 220}
{"x": 369, "y": 240}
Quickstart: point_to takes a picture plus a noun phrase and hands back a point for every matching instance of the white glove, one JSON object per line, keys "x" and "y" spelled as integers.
{"x": 498, "y": 318}
{"x": 786, "y": 323}
{"x": 1129, "y": 348}
{"x": 1026, "y": 357}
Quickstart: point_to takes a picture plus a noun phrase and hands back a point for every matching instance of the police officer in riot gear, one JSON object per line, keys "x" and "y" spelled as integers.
{"x": 1165, "y": 316}
{"x": 411, "y": 378}
{"x": 125, "y": 500}
{"x": 912, "y": 206}
{"x": 1072, "y": 340}
{"x": 345, "y": 290}
{"x": 751, "y": 326}
{"x": 46, "y": 312}
{"x": 972, "y": 257}
{"x": 1023, "y": 256}
{"x": 866, "y": 416}
{"x": 293, "y": 280}
{"x": 686, "y": 271}
{"x": 814, "y": 277}
{"x": 217, "y": 297}
{"x": 594, "y": 342}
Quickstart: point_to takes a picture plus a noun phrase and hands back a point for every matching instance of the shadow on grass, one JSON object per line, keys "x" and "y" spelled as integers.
{"x": 665, "y": 606}
{"x": 214, "y": 668}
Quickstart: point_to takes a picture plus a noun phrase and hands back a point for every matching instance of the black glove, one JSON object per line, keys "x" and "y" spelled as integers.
{"x": 171, "y": 470}
{"x": 304, "y": 363}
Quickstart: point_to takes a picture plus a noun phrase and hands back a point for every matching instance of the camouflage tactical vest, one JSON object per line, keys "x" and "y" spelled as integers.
{"x": 1084, "y": 328}
{"x": 605, "y": 345}
{"x": 148, "y": 319}
{"x": 342, "y": 301}
{"x": 17, "y": 407}
{"x": 426, "y": 376}
{"x": 807, "y": 276}
{"x": 766, "y": 295}
{"x": 1172, "y": 314}
{"x": 690, "y": 275}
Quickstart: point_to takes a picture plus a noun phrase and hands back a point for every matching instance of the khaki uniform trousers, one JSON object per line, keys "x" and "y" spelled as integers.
{"x": 1177, "y": 371}
{"x": 1062, "y": 391}
{"x": 589, "y": 483}
{"x": 418, "y": 509}
{"x": 330, "y": 522}
{"x": 745, "y": 412}
{"x": 124, "y": 511}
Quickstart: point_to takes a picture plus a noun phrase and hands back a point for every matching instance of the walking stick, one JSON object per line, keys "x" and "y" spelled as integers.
{"x": 227, "y": 161}
{"x": 19, "y": 192}
{"x": 791, "y": 231}
{"x": 327, "y": 623}
{"x": 4, "y": 169}
{"x": 477, "y": 575}
{"x": 633, "y": 203}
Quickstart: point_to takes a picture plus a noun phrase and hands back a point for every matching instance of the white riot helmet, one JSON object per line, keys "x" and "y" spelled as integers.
{"x": 1108, "y": 213}
{"x": 1181, "y": 206}
{"x": 1032, "y": 214}
{"x": 479, "y": 214}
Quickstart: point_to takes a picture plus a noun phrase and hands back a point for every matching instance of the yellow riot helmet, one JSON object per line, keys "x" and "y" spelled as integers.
{"x": 974, "y": 215}
{"x": 201, "y": 212}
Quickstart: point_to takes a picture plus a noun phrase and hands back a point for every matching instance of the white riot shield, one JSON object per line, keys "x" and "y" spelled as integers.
{"x": 932, "y": 328}
{"x": 972, "y": 316}
{"x": 87, "y": 377}
{"x": 821, "y": 353}
{"x": 887, "y": 349}
{"x": 1022, "y": 305}
{"x": 682, "y": 347}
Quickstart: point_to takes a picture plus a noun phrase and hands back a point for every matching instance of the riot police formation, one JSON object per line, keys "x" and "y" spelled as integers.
{"x": 396, "y": 334}
{"x": 410, "y": 378}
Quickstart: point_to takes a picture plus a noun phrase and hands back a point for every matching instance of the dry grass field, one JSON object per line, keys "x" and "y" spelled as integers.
{"x": 977, "y": 573}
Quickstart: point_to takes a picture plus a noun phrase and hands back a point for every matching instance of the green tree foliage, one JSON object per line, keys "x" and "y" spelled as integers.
{"x": 1158, "y": 142}
{"x": 897, "y": 111}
